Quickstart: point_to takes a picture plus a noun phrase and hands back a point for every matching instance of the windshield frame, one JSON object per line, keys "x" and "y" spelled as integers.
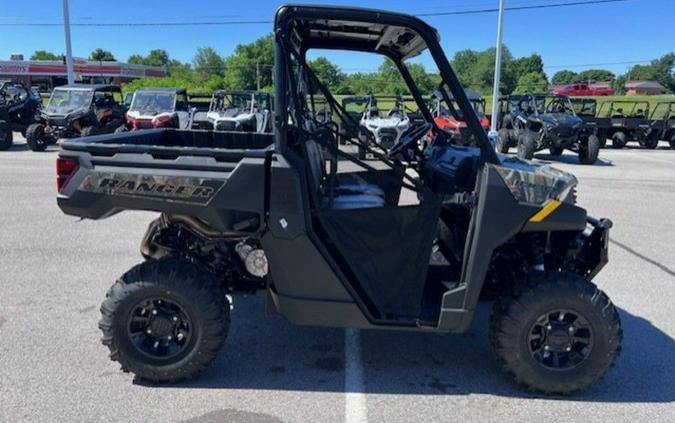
{"x": 153, "y": 94}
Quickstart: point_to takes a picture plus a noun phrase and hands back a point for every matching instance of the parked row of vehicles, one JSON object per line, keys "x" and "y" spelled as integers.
{"x": 80, "y": 110}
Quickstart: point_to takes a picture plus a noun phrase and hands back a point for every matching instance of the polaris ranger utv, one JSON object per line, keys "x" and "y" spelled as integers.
{"x": 536, "y": 122}
{"x": 628, "y": 121}
{"x": 18, "y": 107}
{"x": 77, "y": 110}
{"x": 341, "y": 249}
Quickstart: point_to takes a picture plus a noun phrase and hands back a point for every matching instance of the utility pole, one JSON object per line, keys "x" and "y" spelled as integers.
{"x": 257, "y": 75}
{"x": 498, "y": 70}
{"x": 69, "y": 50}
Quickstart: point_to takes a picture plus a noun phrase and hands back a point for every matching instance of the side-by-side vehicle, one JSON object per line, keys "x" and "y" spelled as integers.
{"x": 410, "y": 243}
{"x": 245, "y": 111}
{"x": 158, "y": 108}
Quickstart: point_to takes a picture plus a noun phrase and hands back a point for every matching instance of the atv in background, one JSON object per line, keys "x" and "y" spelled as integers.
{"x": 158, "y": 108}
{"x": 385, "y": 128}
{"x": 536, "y": 122}
{"x": 18, "y": 106}
{"x": 628, "y": 121}
{"x": 452, "y": 119}
{"x": 243, "y": 111}
{"x": 77, "y": 110}
{"x": 662, "y": 123}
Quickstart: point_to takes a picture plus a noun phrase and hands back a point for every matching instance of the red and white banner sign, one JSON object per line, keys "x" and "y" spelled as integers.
{"x": 13, "y": 69}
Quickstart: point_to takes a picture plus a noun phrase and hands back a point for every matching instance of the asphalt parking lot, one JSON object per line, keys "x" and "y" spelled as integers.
{"x": 55, "y": 270}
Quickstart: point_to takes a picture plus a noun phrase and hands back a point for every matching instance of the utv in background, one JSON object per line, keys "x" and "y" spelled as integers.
{"x": 158, "y": 108}
{"x": 453, "y": 121}
{"x": 77, "y": 110}
{"x": 537, "y": 122}
{"x": 662, "y": 124}
{"x": 19, "y": 105}
{"x": 244, "y": 111}
{"x": 628, "y": 121}
{"x": 340, "y": 247}
{"x": 587, "y": 110}
{"x": 386, "y": 128}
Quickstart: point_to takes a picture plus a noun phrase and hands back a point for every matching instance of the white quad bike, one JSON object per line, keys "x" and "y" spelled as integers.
{"x": 242, "y": 111}
{"x": 388, "y": 129}
{"x": 158, "y": 108}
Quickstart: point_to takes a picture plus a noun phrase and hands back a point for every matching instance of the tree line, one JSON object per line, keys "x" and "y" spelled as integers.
{"x": 250, "y": 67}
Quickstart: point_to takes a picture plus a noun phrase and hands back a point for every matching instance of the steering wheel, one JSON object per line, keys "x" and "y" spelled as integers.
{"x": 409, "y": 140}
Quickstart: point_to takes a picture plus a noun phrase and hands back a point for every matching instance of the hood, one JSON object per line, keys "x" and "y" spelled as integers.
{"x": 534, "y": 182}
{"x": 560, "y": 119}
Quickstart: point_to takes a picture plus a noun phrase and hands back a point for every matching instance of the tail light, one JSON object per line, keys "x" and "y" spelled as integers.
{"x": 65, "y": 169}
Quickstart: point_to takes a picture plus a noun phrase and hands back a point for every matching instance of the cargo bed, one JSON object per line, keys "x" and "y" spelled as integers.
{"x": 170, "y": 171}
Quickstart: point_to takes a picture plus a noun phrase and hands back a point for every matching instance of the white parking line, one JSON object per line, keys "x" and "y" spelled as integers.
{"x": 355, "y": 401}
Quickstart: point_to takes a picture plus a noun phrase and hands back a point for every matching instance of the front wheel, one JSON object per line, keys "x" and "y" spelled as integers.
{"x": 672, "y": 142}
{"x": 36, "y": 138}
{"x": 619, "y": 140}
{"x": 165, "y": 320}
{"x": 651, "y": 141}
{"x": 527, "y": 144}
{"x": 589, "y": 150}
{"x": 557, "y": 336}
{"x": 503, "y": 141}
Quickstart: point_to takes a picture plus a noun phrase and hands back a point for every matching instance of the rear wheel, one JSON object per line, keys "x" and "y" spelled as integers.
{"x": 36, "y": 138}
{"x": 672, "y": 141}
{"x": 526, "y": 145}
{"x": 589, "y": 150}
{"x": 503, "y": 142}
{"x": 6, "y": 136}
{"x": 556, "y": 151}
{"x": 651, "y": 141}
{"x": 165, "y": 320}
{"x": 556, "y": 336}
{"x": 619, "y": 140}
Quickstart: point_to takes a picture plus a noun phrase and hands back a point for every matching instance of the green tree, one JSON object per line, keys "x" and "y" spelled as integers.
{"x": 251, "y": 64}
{"x": 101, "y": 55}
{"x": 327, "y": 72}
{"x": 476, "y": 69}
{"x": 136, "y": 59}
{"x": 564, "y": 77}
{"x": 533, "y": 82}
{"x": 45, "y": 55}
{"x": 660, "y": 70}
{"x": 595, "y": 75}
{"x": 526, "y": 65}
{"x": 208, "y": 63}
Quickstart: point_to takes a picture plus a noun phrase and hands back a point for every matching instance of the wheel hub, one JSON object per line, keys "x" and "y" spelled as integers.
{"x": 159, "y": 328}
{"x": 560, "y": 339}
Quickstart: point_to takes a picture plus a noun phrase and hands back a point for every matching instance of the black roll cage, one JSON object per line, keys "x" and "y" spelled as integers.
{"x": 284, "y": 30}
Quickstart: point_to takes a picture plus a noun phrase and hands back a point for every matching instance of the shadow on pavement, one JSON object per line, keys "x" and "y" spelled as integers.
{"x": 572, "y": 159}
{"x": 266, "y": 352}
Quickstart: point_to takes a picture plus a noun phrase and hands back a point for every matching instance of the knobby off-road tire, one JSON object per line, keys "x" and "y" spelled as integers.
{"x": 619, "y": 140}
{"x": 181, "y": 294}
{"x": 35, "y": 137}
{"x": 527, "y": 144}
{"x": 589, "y": 150}
{"x": 6, "y": 136}
{"x": 514, "y": 324}
{"x": 503, "y": 142}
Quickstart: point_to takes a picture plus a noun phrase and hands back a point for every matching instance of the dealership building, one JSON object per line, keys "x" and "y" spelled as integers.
{"x": 47, "y": 74}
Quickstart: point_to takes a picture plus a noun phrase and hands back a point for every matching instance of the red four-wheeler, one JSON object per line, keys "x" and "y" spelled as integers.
{"x": 452, "y": 119}
{"x": 158, "y": 108}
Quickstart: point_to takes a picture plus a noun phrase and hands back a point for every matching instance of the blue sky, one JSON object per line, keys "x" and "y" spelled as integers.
{"x": 606, "y": 33}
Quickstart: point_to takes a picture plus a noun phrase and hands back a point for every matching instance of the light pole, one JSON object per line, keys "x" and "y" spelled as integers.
{"x": 498, "y": 70}
{"x": 69, "y": 51}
